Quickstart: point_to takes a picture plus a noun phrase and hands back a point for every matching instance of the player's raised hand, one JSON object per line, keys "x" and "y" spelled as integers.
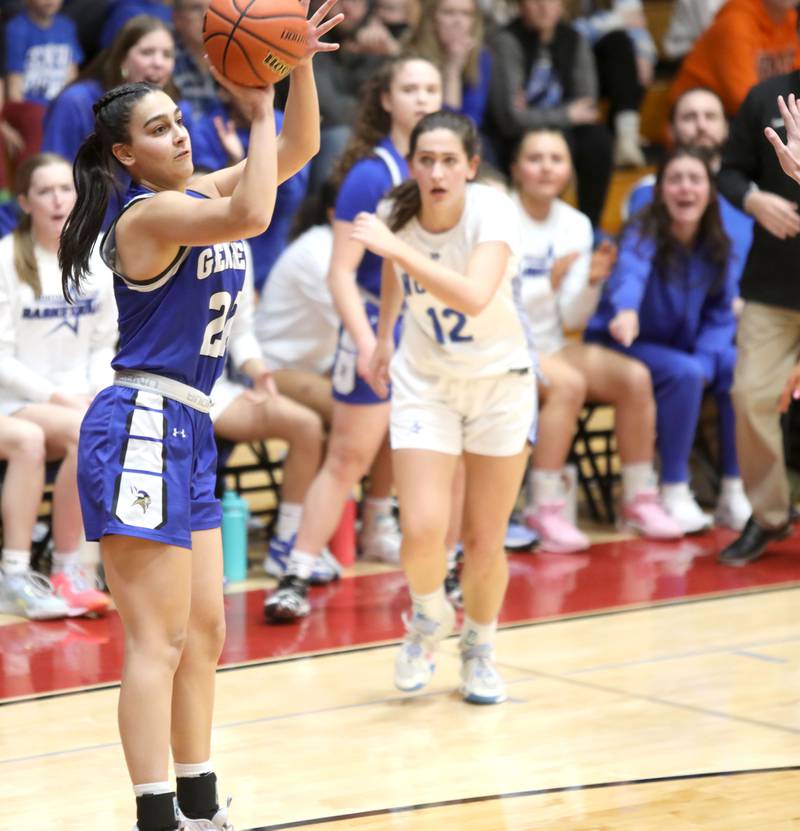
{"x": 260, "y": 99}
{"x": 318, "y": 27}
{"x": 788, "y": 154}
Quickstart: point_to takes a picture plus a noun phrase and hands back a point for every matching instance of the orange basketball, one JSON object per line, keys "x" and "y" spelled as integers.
{"x": 255, "y": 42}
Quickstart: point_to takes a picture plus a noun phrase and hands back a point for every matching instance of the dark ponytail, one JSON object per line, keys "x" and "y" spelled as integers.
{"x": 405, "y": 198}
{"x": 95, "y": 174}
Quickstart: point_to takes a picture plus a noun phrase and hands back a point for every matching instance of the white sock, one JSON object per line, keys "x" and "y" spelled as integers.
{"x": 637, "y": 478}
{"x": 16, "y": 561}
{"x": 153, "y": 788}
{"x": 62, "y": 560}
{"x": 429, "y": 605}
{"x": 475, "y": 634}
{"x": 184, "y": 771}
{"x": 301, "y": 564}
{"x": 731, "y": 485}
{"x": 676, "y": 489}
{"x": 547, "y": 486}
{"x": 376, "y": 507}
{"x": 289, "y": 515}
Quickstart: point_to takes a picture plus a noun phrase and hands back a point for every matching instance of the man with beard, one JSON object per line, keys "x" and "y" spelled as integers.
{"x": 697, "y": 119}
{"x": 768, "y": 338}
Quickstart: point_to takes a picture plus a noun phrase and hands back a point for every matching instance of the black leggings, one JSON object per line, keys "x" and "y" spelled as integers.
{"x": 617, "y": 72}
{"x": 590, "y": 145}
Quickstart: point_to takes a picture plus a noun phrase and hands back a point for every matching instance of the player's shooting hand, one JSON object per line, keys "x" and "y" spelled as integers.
{"x": 378, "y": 371}
{"x": 788, "y": 154}
{"x": 318, "y": 27}
{"x": 374, "y": 234}
{"x": 258, "y": 99}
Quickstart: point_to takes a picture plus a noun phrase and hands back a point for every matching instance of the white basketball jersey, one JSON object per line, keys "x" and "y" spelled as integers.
{"x": 443, "y": 341}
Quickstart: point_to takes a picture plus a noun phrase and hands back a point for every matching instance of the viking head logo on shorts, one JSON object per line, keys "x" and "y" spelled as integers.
{"x": 142, "y": 499}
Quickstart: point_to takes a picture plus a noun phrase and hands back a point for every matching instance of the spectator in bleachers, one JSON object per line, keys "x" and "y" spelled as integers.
{"x": 401, "y": 92}
{"x": 23, "y": 591}
{"x": 626, "y": 56}
{"x": 669, "y": 303}
{"x": 450, "y": 35}
{"x": 697, "y": 119}
{"x": 560, "y": 287}
{"x": 544, "y": 75}
{"x": 749, "y": 41}
{"x": 340, "y": 77}
{"x": 259, "y": 412}
{"x": 143, "y": 51}
{"x": 191, "y": 75}
{"x": 689, "y": 19}
{"x": 54, "y": 356}
{"x": 42, "y": 53}
{"x": 296, "y": 324}
{"x": 768, "y": 337}
{"x": 121, "y": 11}
{"x": 220, "y": 138}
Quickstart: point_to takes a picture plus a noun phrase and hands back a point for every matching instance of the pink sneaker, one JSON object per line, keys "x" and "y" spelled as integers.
{"x": 75, "y": 589}
{"x": 556, "y": 534}
{"x": 645, "y": 515}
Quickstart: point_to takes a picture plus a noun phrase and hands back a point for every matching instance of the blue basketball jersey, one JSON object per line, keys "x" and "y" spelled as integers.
{"x": 177, "y": 324}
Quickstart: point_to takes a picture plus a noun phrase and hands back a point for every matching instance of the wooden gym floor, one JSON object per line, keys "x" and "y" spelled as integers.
{"x": 649, "y": 688}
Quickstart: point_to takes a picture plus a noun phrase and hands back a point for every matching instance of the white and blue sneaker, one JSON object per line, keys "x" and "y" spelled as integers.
{"x": 326, "y": 570}
{"x": 480, "y": 681}
{"x": 415, "y": 664}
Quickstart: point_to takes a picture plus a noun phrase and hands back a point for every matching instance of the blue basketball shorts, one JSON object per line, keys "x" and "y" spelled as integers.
{"x": 348, "y": 386}
{"x": 146, "y": 468}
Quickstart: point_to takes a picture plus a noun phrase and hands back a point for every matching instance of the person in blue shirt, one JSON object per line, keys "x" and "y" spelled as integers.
{"x": 191, "y": 73}
{"x": 450, "y": 34}
{"x": 669, "y": 303}
{"x": 222, "y": 138}
{"x": 401, "y": 92}
{"x": 123, "y": 10}
{"x": 143, "y": 51}
{"x": 147, "y": 459}
{"x": 698, "y": 119}
{"x": 42, "y": 53}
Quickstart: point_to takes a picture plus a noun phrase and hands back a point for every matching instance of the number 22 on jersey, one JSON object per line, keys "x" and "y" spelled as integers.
{"x": 215, "y": 337}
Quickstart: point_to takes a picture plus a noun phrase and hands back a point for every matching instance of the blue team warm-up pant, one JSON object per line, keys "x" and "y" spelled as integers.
{"x": 679, "y": 382}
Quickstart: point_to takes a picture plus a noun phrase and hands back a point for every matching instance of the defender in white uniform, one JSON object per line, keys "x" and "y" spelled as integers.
{"x": 462, "y": 383}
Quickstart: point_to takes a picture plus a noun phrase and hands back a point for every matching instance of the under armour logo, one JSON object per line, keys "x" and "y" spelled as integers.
{"x": 416, "y": 427}
{"x": 176, "y": 432}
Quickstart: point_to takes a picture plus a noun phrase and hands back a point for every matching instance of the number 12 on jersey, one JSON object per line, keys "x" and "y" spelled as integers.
{"x": 448, "y": 329}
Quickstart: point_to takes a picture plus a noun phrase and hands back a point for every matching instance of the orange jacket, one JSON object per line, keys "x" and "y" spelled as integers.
{"x": 742, "y": 46}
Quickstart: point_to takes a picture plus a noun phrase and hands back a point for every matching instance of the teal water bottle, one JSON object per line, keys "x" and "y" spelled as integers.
{"x": 235, "y": 513}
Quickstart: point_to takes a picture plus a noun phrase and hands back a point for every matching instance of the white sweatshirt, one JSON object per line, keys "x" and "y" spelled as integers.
{"x": 295, "y": 322}
{"x": 565, "y": 230}
{"x": 47, "y": 344}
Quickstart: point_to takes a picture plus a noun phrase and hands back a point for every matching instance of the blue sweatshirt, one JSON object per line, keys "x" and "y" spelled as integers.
{"x": 737, "y": 224}
{"x": 685, "y": 311}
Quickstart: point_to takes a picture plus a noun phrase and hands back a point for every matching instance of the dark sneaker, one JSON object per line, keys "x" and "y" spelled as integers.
{"x": 752, "y": 543}
{"x": 289, "y": 601}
